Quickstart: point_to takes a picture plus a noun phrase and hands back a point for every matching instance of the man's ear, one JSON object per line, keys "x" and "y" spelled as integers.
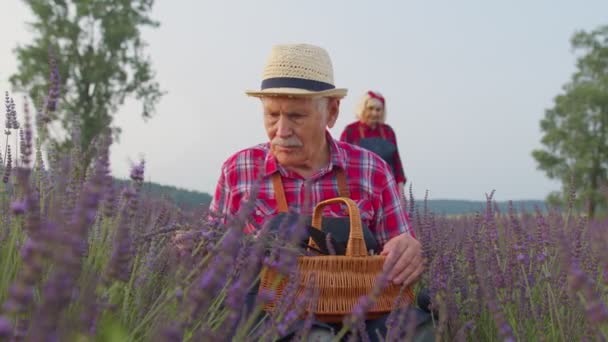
{"x": 333, "y": 110}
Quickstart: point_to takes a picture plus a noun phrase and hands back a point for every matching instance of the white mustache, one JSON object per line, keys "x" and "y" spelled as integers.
{"x": 290, "y": 142}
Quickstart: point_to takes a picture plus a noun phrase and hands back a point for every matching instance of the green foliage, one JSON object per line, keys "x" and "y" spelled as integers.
{"x": 576, "y": 128}
{"x": 98, "y": 51}
{"x": 187, "y": 199}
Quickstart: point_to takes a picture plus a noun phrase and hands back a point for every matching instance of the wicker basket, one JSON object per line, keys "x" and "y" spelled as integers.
{"x": 340, "y": 279}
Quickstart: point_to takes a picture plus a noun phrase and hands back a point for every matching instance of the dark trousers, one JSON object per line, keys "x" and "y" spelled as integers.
{"x": 376, "y": 329}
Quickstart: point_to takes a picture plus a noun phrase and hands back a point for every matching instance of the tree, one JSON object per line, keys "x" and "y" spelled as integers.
{"x": 576, "y": 128}
{"x": 96, "y": 60}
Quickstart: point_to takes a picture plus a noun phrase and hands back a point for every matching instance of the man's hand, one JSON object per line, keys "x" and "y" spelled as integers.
{"x": 404, "y": 262}
{"x": 183, "y": 241}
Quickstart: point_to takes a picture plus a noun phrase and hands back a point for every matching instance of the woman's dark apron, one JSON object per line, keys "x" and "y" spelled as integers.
{"x": 380, "y": 146}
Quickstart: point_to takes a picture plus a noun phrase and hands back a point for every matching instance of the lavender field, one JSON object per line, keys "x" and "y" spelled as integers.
{"x": 84, "y": 260}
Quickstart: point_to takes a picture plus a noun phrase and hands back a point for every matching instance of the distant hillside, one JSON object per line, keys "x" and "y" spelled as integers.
{"x": 457, "y": 207}
{"x": 190, "y": 199}
{"x": 181, "y": 197}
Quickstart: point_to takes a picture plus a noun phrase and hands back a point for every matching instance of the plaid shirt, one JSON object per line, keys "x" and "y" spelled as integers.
{"x": 369, "y": 181}
{"x": 351, "y": 135}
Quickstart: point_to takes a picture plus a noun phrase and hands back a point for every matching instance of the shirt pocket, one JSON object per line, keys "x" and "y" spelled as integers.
{"x": 263, "y": 211}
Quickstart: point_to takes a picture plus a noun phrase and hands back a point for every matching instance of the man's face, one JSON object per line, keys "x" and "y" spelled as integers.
{"x": 296, "y": 128}
{"x": 373, "y": 112}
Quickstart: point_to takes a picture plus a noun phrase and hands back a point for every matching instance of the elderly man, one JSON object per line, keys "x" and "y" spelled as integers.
{"x": 300, "y": 103}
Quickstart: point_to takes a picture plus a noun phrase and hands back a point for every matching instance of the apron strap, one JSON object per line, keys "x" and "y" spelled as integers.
{"x": 362, "y": 132}
{"x": 279, "y": 191}
{"x": 382, "y": 132}
{"x": 342, "y": 186}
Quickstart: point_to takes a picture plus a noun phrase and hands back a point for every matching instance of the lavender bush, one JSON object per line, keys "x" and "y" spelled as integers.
{"x": 81, "y": 259}
{"x": 517, "y": 276}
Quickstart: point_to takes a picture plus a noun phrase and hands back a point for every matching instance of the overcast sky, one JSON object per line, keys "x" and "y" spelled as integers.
{"x": 466, "y": 83}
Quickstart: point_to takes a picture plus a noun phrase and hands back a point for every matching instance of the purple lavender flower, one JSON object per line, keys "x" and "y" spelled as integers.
{"x": 137, "y": 172}
{"x": 577, "y": 278}
{"x": 5, "y": 328}
{"x": 542, "y": 224}
{"x": 55, "y": 82}
{"x": 42, "y": 118}
{"x": 521, "y": 257}
{"x": 18, "y": 207}
{"x": 21, "y": 143}
{"x": 206, "y": 287}
{"x": 110, "y": 192}
{"x": 8, "y": 122}
{"x": 120, "y": 260}
{"x": 504, "y": 329}
{"x": 58, "y": 291}
{"x": 8, "y": 167}
{"x": 173, "y": 333}
{"x": 597, "y": 312}
{"x": 20, "y": 298}
{"x": 366, "y": 302}
{"x": 14, "y": 122}
{"x": 26, "y": 148}
{"x": 490, "y": 218}
{"x": 179, "y": 294}
{"x": 412, "y": 204}
{"x": 288, "y": 295}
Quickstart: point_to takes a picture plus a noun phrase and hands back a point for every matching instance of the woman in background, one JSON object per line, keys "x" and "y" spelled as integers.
{"x": 372, "y": 133}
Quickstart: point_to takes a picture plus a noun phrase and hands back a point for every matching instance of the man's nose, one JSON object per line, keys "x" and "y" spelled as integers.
{"x": 283, "y": 127}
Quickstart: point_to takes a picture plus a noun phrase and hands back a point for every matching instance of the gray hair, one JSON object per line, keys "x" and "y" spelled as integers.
{"x": 321, "y": 103}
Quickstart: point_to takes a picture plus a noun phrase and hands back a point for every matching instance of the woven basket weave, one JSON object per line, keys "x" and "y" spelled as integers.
{"x": 340, "y": 279}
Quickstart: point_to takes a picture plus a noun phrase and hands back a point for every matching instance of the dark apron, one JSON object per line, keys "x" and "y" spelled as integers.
{"x": 339, "y": 228}
{"x": 380, "y": 146}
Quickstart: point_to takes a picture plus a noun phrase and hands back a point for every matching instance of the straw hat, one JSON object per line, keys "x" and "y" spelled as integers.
{"x": 298, "y": 70}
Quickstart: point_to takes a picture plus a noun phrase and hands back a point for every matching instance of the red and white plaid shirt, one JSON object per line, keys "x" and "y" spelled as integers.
{"x": 368, "y": 178}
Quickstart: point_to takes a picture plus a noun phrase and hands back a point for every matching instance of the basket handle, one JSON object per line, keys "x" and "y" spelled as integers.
{"x": 356, "y": 244}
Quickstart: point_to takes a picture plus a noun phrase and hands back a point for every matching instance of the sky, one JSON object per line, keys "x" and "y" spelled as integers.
{"x": 466, "y": 83}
